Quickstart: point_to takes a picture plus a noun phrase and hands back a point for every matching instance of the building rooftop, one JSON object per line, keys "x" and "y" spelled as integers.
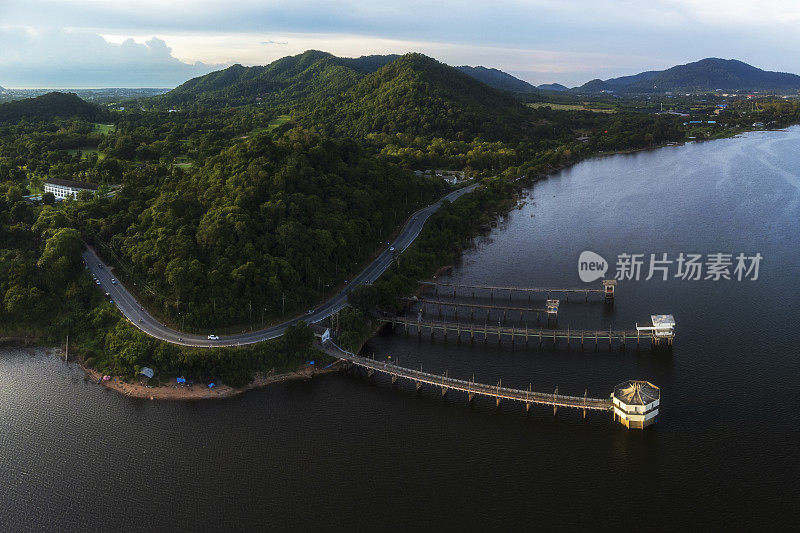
{"x": 74, "y": 184}
{"x": 634, "y": 392}
{"x": 663, "y": 321}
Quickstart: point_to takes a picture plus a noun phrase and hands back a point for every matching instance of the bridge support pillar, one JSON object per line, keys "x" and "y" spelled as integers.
{"x": 555, "y": 407}
{"x": 498, "y": 402}
{"x": 394, "y": 379}
{"x": 370, "y": 372}
{"x": 417, "y": 385}
{"x": 527, "y": 407}
{"x": 444, "y": 391}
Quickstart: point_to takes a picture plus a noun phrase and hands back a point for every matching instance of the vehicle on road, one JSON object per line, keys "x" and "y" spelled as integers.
{"x": 97, "y": 281}
{"x": 309, "y": 311}
{"x": 100, "y": 265}
{"x": 140, "y": 320}
{"x": 213, "y": 337}
{"x": 113, "y": 281}
{"x": 391, "y": 248}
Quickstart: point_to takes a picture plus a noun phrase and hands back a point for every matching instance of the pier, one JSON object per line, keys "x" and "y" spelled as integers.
{"x": 472, "y": 388}
{"x": 606, "y": 291}
{"x": 656, "y": 335}
{"x": 550, "y": 310}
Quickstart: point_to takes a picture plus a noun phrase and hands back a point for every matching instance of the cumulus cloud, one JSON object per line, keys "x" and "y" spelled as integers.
{"x": 62, "y": 58}
{"x": 543, "y": 40}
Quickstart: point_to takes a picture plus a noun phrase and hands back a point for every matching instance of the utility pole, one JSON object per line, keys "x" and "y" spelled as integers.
{"x": 283, "y": 303}
{"x": 66, "y": 351}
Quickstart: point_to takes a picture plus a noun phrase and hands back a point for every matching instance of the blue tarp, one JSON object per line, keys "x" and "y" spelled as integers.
{"x": 181, "y": 380}
{"x": 210, "y": 385}
{"x": 147, "y": 372}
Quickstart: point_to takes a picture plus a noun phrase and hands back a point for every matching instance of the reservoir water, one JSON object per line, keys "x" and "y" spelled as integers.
{"x": 345, "y": 452}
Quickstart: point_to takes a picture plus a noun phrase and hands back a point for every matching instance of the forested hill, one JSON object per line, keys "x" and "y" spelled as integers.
{"x": 263, "y": 220}
{"x": 552, "y": 87}
{"x": 418, "y": 95}
{"x": 310, "y": 76}
{"x": 313, "y": 74}
{"x": 704, "y": 75}
{"x": 48, "y": 106}
{"x": 498, "y": 79}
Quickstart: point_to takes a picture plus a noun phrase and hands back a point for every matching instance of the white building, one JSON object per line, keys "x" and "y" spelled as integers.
{"x": 636, "y": 403}
{"x": 63, "y": 188}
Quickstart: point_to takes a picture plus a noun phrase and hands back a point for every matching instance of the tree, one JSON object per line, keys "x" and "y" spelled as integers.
{"x": 60, "y": 261}
{"x": 298, "y": 338}
{"x": 48, "y": 198}
{"x": 364, "y": 298}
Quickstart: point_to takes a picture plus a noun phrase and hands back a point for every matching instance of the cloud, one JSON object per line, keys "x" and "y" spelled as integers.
{"x": 61, "y": 58}
{"x": 544, "y": 40}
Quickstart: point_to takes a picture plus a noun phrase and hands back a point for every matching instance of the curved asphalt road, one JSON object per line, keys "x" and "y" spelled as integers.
{"x": 140, "y": 318}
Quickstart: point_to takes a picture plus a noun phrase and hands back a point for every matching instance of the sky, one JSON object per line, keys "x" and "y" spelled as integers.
{"x": 162, "y": 43}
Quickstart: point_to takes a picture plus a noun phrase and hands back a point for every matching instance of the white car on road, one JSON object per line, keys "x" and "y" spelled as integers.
{"x": 213, "y": 337}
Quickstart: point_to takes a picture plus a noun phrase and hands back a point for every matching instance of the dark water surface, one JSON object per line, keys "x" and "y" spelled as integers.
{"x": 343, "y": 452}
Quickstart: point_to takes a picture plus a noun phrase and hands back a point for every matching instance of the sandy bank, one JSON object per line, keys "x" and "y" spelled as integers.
{"x": 199, "y": 391}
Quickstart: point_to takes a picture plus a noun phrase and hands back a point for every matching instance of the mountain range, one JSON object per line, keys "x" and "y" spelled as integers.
{"x": 316, "y": 75}
{"x": 705, "y": 75}
{"x": 312, "y": 74}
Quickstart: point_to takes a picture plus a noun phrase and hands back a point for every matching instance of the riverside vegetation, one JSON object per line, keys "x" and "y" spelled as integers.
{"x": 244, "y": 197}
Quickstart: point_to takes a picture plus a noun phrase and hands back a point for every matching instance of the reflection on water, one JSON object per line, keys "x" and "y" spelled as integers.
{"x": 346, "y": 451}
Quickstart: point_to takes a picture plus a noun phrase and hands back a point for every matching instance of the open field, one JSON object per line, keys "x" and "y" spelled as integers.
{"x": 103, "y": 129}
{"x": 182, "y": 162}
{"x": 276, "y": 122}
{"x": 572, "y": 107}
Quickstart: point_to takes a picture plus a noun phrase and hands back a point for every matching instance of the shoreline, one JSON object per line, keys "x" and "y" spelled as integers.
{"x": 171, "y": 390}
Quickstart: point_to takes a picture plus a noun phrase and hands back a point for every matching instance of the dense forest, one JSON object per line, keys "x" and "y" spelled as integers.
{"x": 49, "y": 106}
{"x": 228, "y": 212}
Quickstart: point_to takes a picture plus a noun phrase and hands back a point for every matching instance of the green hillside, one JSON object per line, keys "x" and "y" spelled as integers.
{"x": 310, "y": 75}
{"x": 418, "y": 95}
{"x": 48, "y": 106}
{"x": 307, "y": 77}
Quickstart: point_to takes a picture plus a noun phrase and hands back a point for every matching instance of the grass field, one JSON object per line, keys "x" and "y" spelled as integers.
{"x": 276, "y": 122}
{"x": 572, "y": 107}
{"x": 182, "y": 162}
{"x": 103, "y": 129}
